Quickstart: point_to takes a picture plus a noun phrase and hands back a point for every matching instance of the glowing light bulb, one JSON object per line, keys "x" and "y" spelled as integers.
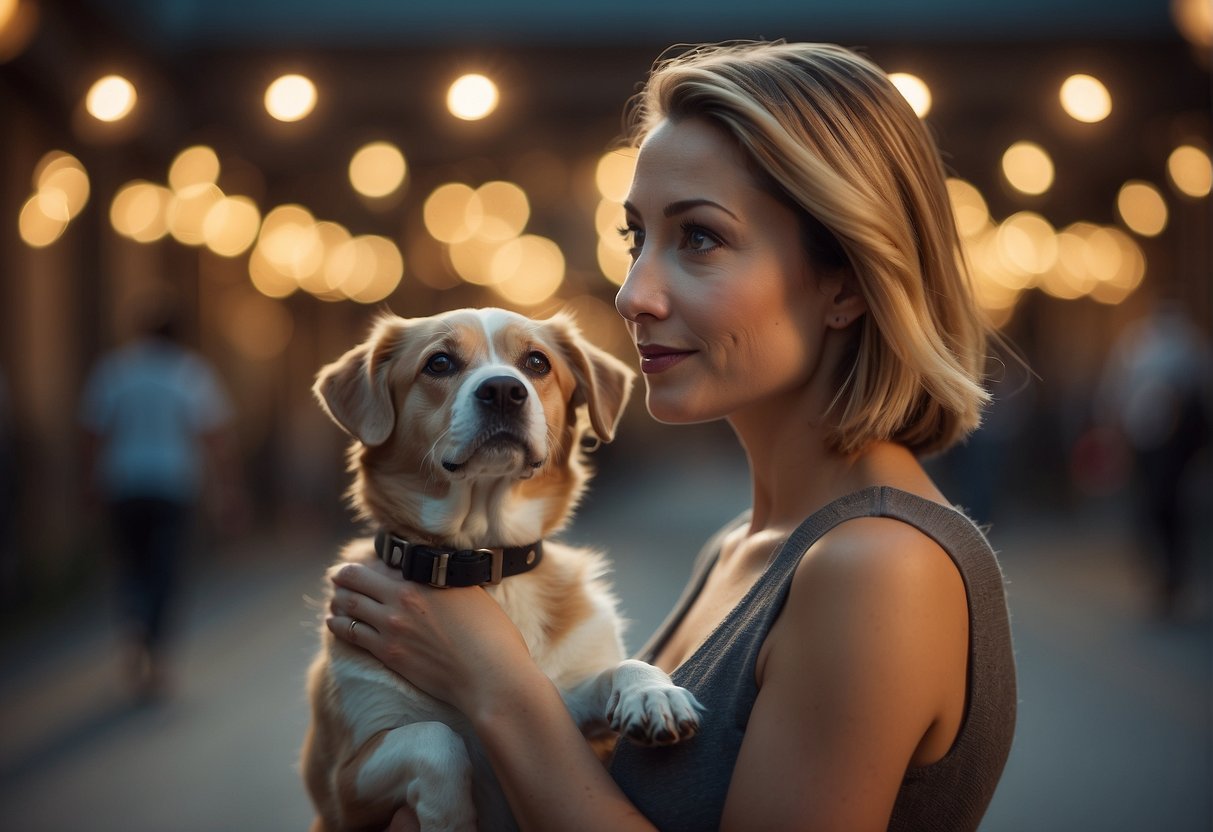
{"x": 914, "y": 90}
{"x": 290, "y": 98}
{"x": 110, "y": 98}
{"x": 472, "y": 97}
{"x": 1085, "y": 99}
{"x": 1028, "y": 168}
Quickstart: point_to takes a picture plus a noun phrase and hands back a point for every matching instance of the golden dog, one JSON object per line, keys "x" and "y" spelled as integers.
{"x": 468, "y": 430}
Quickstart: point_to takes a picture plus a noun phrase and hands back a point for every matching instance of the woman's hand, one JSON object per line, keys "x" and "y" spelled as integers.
{"x": 457, "y": 645}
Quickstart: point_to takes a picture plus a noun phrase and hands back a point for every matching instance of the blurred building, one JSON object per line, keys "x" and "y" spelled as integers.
{"x": 294, "y": 168}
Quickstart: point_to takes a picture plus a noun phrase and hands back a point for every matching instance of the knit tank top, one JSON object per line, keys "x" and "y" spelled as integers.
{"x": 683, "y": 787}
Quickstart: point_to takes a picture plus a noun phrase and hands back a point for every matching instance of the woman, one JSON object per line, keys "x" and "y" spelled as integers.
{"x": 795, "y": 273}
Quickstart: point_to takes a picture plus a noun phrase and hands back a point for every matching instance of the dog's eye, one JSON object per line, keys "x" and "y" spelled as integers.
{"x": 440, "y": 364}
{"x": 537, "y": 363}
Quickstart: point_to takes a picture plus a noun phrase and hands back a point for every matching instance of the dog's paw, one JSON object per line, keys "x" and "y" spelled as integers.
{"x": 649, "y": 709}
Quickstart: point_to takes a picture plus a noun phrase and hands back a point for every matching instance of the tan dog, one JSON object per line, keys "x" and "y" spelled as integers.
{"x": 467, "y": 455}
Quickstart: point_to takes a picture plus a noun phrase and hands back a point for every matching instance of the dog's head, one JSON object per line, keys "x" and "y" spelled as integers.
{"x": 471, "y": 401}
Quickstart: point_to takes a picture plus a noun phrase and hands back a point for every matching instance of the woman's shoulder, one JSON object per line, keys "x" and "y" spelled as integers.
{"x": 873, "y": 572}
{"x": 873, "y": 554}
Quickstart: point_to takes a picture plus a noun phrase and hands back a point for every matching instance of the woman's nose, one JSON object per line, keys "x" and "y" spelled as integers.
{"x": 643, "y": 292}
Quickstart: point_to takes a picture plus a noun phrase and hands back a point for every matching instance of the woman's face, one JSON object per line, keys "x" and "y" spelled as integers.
{"x": 720, "y": 299}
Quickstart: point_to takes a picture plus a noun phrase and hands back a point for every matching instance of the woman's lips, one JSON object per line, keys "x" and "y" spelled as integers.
{"x": 657, "y": 359}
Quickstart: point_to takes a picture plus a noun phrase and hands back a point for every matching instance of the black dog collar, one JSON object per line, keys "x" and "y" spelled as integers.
{"x": 445, "y": 567}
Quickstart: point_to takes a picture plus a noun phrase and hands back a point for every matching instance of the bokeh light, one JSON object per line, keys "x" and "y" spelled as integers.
{"x": 8, "y": 10}
{"x": 1027, "y": 244}
{"x": 452, "y": 212}
{"x": 378, "y": 271}
{"x": 613, "y": 178}
{"x": 1194, "y": 20}
{"x": 61, "y": 189}
{"x": 914, "y": 90}
{"x": 110, "y": 98}
{"x": 290, "y": 243}
{"x": 187, "y": 212}
{"x": 472, "y": 97}
{"x": 1085, "y": 99}
{"x": 1190, "y": 171}
{"x": 231, "y": 225}
{"x": 195, "y": 165}
{"x": 472, "y": 260}
{"x": 290, "y": 97}
{"x": 1028, "y": 168}
{"x": 326, "y": 280}
{"x": 18, "y": 25}
{"x": 528, "y": 270}
{"x": 377, "y": 169}
{"x": 267, "y": 278}
{"x": 613, "y": 174}
{"x": 139, "y": 210}
{"x": 505, "y": 210}
{"x": 969, "y": 207}
{"x": 60, "y": 180}
{"x": 37, "y": 228}
{"x": 614, "y": 258}
{"x": 1142, "y": 208}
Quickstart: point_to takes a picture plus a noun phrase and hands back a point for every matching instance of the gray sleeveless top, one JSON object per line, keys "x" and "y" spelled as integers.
{"x": 683, "y": 787}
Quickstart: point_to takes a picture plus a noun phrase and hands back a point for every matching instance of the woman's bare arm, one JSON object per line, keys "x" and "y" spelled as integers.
{"x": 868, "y": 654}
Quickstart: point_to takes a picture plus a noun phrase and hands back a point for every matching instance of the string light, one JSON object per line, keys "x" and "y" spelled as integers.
{"x": 472, "y": 97}
{"x": 914, "y": 90}
{"x": 1028, "y": 168}
{"x": 110, "y": 98}
{"x": 1085, "y": 99}
{"x": 290, "y": 98}
{"x": 1190, "y": 171}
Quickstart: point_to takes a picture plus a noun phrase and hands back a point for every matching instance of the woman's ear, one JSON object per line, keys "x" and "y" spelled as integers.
{"x": 846, "y": 303}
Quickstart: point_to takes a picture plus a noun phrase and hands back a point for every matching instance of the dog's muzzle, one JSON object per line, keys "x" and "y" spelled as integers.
{"x": 500, "y": 403}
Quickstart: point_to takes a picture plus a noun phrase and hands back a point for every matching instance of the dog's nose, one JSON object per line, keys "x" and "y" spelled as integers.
{"x": 503, "y": 394}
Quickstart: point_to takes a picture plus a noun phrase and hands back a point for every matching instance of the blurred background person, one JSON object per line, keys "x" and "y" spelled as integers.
{"x": 1156, "y": 395}
{"x": 155, "y": 416}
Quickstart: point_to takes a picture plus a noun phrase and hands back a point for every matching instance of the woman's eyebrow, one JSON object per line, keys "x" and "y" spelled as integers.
{"x": 684, "y": 205}
{"x": 681, "y": 207}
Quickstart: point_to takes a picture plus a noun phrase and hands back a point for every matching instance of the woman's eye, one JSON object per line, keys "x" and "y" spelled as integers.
{"x": 633, "y": 236}
{"x": 440, "y": 364}
{"x": 537, "y": 363}
{"x": 699, "y": 239}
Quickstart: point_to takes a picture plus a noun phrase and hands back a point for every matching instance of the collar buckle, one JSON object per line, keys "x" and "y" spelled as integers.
{"x": 496, "y": 559}
{"x": 444, "y": 567}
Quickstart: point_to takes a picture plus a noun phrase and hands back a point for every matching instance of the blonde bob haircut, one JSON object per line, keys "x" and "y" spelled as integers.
{"x": 825, "y": 130}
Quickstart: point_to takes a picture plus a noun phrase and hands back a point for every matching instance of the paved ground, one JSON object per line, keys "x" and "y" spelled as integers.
{"x": 1114, "y": 731}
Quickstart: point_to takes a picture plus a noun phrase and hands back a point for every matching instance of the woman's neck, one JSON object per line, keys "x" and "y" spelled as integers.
{"x": 792, "y": 468}
{"x": 794, "y": 471}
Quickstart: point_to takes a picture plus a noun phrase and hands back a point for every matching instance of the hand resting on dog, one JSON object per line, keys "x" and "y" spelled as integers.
{"x": 459, "y": 646}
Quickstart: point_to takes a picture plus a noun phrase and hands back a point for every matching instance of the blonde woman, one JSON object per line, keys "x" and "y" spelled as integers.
{"x": 795, "y": 273}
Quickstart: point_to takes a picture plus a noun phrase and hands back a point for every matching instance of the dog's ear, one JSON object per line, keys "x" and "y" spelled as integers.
{"x": 604, "y": 383}
{"x": 354, "y": 389}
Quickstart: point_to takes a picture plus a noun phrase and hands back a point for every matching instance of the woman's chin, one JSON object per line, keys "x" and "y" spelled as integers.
{"x": 674, "y": 411}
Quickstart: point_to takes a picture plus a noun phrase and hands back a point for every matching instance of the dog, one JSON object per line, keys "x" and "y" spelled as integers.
{"x": 469, "y": 433}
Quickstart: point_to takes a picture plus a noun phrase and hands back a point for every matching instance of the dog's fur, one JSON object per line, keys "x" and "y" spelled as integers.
{"x": 436, "y": 464}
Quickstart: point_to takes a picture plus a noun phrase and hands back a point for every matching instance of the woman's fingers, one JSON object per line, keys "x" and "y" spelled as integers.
{"x": 366, "y": 580}
{"x": 353, "y": 631}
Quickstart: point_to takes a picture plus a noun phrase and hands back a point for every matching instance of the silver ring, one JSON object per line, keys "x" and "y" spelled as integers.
{"x": 350, "y": 633}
